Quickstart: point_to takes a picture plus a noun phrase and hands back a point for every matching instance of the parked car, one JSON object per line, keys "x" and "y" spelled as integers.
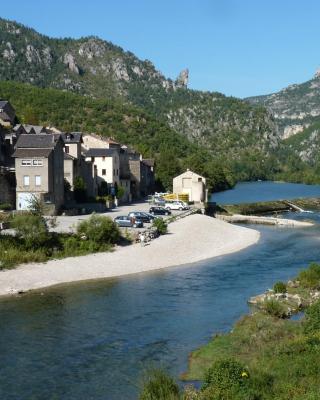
{"x": 126, "y": 221}
{"x": 177, "y": 205}
{"x": 141, "y": 216}
{"x": 159, "y": 211}
{"x": 159, "y": 201}
{"x": 151, "y": 216}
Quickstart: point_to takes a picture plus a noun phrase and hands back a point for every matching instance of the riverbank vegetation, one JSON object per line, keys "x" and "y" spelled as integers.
{"x": 34, "y": 242}
{"x": 264, "y": 357}
{"x": 265, "y": 207}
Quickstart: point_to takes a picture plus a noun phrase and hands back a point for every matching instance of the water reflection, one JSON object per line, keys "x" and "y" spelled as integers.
{"x": 94, "y": 340}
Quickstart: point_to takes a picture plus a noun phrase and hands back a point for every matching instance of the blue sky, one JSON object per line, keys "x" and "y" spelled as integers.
{"x": 237, "y": 47}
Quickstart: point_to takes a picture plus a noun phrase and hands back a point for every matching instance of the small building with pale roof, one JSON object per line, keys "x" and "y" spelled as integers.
{"x": 192, "y": 184}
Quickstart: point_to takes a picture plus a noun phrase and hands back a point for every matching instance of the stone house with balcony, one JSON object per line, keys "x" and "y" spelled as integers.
{"x": 39, "y": 167}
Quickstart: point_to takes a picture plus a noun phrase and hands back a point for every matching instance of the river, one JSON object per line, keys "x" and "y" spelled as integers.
{"x": 94, "y": 340}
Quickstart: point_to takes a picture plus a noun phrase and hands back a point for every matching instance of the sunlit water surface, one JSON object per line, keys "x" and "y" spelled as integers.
{"x": 95, "y": 340}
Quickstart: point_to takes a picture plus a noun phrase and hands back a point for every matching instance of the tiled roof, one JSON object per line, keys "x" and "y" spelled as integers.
{"x": 67, "y": 156}
{"x": 37, "y": 128}
{"x": 100, "y": 152}
{"x": 40, "y": 141}
{"x": 31, "y": 153}
{"x": 72, "y": 137}
{"x": 149, "y": 162}
{"x": 3, "y": 103}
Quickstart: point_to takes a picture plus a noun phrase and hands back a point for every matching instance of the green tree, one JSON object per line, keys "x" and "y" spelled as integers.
{"x": 31, "y": 228}
{"x": 80, "y": 190}
{"x": 99, "y": 229}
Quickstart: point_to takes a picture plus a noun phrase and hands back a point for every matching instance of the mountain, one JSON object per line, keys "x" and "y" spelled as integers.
{"x": 129, "y": 125}
{"x": 294, "y": 108}
{"x": 296, "y": 111}
{"x": 244, "y": 139}
{"x": 93, "y": 67}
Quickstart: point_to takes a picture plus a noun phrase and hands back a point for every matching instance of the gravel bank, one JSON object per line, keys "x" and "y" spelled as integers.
{"x": 189, "y": 240}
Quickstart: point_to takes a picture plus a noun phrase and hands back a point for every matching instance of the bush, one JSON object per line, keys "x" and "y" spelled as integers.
{"x": 280, "y": 287}
{"x": 275, "y": 308}
{"x": 5, "y": 207}
{"x": 31, "y": 228}
{"x": 79, "y": 190}
{"x": 310, "y": 278}
{"x": 312, "y": 321}
{"x": 160, "y": 225}
{"x": 225, "y": 375}
{"x": 99, "y": 229}
{"x": 159, "y": 386}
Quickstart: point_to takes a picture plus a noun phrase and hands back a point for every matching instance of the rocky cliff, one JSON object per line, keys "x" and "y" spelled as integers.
{"x": 99, "y": 69}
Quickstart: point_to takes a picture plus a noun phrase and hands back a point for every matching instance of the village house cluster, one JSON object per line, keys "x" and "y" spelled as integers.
{"x": 45, "y": 162}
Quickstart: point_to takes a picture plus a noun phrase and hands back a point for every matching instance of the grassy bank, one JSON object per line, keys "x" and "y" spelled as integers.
{"x": 281, "y": 356}
{"x": 264, "y": 357}
{"x": 266, "y": 207}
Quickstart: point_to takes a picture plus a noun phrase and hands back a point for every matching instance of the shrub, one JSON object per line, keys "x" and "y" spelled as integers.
{"x": 280, "y": 287}
{"x": 160, "y": 225}
{"x": 5, "y": 207}
{"x": 99, "y": 229}
{"x": 225, "y": 374}
{"x": 31, "y": 228}
{"x": 35, "y": 205}
{"x": 312, "y": 321}
{"x": 310, "y": 278}
{"x": 79, "y": 190}
{"x": 275, "y": 308}
{"x": 159, "y": 386}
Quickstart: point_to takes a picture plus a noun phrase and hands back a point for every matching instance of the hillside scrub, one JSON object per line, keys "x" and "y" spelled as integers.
{"x": 127, "y": 124}
{"x": 160, "y": 225}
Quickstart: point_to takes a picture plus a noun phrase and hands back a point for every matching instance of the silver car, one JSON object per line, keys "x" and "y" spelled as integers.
{"x": 126, "y": 222}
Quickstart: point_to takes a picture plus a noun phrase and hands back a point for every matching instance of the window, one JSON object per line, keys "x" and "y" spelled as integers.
{"x": 26, "y": 163}
{"x": 66, "y": 149}
{"x": 92, "y": 159}
{"x": 29, "y": 163}
{"x": 103, "y": 159}
{"x": 114, "y": 171}
{"x": 117, "y": 172}
{"x": 104, "y": 172}
{"x": 26, "y": 180}
{"x": 37, "y": 163}
{"x": 38, "y": 180}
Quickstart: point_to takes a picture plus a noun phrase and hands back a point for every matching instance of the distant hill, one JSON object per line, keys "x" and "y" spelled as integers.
{"x": 129, "y": 125}
{"x": 99, "y": 69}
{"x": 125, "y": 97}
{"x": 296, "y": 110}
{"x": 295, "y": 107}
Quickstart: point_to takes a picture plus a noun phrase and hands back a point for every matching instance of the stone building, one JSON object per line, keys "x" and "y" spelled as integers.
{"x": 39, "y": 167}
{"x": 192, "y": 184}
{"x": 7, "y": 113}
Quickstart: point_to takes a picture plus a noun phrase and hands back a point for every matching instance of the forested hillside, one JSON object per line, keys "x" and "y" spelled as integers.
{"x": 116, "y": 94}
{"x": 69, "y": 112}
{"x": 99, "y": 69}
